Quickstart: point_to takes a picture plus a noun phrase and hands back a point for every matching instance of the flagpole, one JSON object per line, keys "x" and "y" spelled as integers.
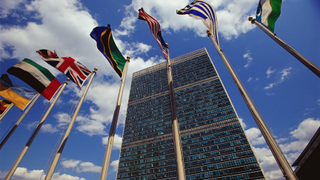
{"x": 107, "y": 155}
{"x": 19, "y": 121}
{"x": 25, "y": 149}
{"x": 6, "y": 111}
{"x": 273, "y": 145}
{"x": 175, "y": 125}
{"x": 66, "y": 135}
{"x": 293, "y": 52}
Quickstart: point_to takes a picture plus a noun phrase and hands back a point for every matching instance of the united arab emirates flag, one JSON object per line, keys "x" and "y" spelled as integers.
{"x": 268, "y": 12}
{"x": 108, "y": 48}
{"x": 38, "y": 77}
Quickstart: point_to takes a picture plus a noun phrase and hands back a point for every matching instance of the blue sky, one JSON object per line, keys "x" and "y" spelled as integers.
{"x": 285, "y": 91}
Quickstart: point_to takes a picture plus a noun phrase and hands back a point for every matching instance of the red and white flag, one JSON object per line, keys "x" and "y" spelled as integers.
{"x": 154, "y": 26}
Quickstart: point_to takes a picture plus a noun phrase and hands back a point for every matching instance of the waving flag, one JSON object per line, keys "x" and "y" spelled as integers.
{"x": 202, "y": 10}
{"x": 4, "y": 104}
{"x": 77, "y": 72}
{"x": 19, "y": 96}
{"x": 38, "y": 77}
{"x": 268, "y": 12}
{"x": 108, "y": 48}
{"x": 154, "y": 26}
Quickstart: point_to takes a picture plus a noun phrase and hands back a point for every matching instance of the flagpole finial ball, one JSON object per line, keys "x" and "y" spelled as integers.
{"x": 208, "y": 32}
{"x": 68, "y": 79}
{"x": 95, "y": 69}
{"x": 128, "y": 57}
{"x": 250, "y": 18}
{"x": 167, "y": 45}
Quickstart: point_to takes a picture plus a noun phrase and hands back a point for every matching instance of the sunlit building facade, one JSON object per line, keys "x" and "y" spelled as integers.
{"x": 214, "y": 143}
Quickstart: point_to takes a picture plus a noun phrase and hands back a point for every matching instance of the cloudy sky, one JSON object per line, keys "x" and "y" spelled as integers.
{"x": 285, "y": 92}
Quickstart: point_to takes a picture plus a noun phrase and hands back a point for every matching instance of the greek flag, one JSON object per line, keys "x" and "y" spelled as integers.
{"x": 202, "y": 10}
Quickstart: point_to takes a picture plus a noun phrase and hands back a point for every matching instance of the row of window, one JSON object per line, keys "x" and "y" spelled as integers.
{"x": 201, "y": 88}
{"x": 214, "y": 143}
{"x": 227, "y": 130}
{"x": 161, "y": 127}
{"x": 209, "y": 171}
{"x": 203, "y": 120}
{"x": 251, "y": 175}
{"x": 155, "y": 155}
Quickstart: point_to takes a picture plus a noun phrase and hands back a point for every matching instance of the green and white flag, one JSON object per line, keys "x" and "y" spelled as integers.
{"x": 268, "y": 12}
{"x": 38, "y": 77}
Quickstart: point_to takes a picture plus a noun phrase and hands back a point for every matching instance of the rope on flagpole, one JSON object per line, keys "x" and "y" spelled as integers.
{"x": 56, "y": 146}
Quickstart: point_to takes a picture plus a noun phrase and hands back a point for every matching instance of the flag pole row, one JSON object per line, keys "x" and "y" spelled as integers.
{"x": 198, "y": 9}
{"x": 19, "y": 121}
{"x": 26, "y": 147}
{"x": 67, "y": 133}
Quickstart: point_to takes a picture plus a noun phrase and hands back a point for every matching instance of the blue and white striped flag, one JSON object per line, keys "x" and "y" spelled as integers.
{"x": 202, "y": 10}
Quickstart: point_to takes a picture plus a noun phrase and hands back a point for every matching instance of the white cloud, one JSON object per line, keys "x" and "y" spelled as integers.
{"x": 250, "y": 79}
{"x": 48, "y": 128}
{"x": 24, "y": 174}
{"x": 282, "y": 75}
{"x": 70, "y": 163}
{"x": 56, "y": 31}
{"x": 270, "y": 72}
{"x": 32, "y": 125}
{"x": 90, "y": 127}
{"x": 255, "y": 136}
{"x": 7, "y": 5}
{"x": 242, "y": 123}
{"x": 80, "y": 166}
{"x": 114, "y": 165}
{"x": 116, "y": 142}
{"x": 232, "y": 15}
{"x": 291, "y": 146}
{"x": 249, "y": 59}
{"x": 306, "y": 129}
{"x": 57, "y": 176}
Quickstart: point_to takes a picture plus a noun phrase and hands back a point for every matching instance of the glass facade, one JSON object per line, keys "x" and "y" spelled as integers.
{"x": 213, "y": 141}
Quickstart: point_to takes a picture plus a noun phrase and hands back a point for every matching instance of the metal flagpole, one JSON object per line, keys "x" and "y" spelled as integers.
{"x": 107, "y": 155}
{"x": 175, "y": 124}
{"x": 276, "y": 151}
{"x": 66, "y": 135}
{"x": 26, "y": 147}
{"x": 6, "y": 111}
{"x": 19, "y": 121}
{"x": 293, "y": 52}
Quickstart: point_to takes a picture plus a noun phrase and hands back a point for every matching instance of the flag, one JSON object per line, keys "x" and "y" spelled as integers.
{"x": 202, "y": 10}
{"x": 73, "y": 69}
{"x": 38, "y": 77}
{"x": 4, "y": 104}
{"x": 108, "y": 48}
{"x": 268, "y": 12}
{"x": 19, "y": 96}
{"x": 154, "y": 26}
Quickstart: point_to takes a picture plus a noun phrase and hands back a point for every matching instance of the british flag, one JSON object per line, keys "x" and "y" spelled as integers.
{"x": 77, "y": 72}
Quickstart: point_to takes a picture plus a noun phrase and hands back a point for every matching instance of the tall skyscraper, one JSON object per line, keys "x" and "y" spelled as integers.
{"x": 214, "y": 143}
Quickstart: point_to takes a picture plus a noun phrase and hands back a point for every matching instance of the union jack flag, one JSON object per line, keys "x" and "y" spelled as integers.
{"x": 154, "y": 26}
{"x": 77, "y": 72}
